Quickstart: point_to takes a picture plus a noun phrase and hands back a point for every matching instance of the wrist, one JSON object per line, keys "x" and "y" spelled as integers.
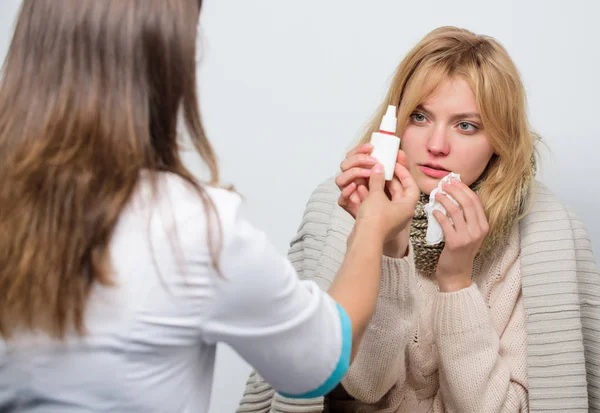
{"x": 366, "y": 234}
{"x": 396, "y": 248}
{"x": 453, "y": 283}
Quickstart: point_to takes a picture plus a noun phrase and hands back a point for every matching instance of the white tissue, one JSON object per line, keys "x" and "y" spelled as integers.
{"x": 435, "y": 235}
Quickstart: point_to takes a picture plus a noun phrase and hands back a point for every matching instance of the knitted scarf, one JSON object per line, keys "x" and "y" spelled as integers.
{"x": 426, "y": 256}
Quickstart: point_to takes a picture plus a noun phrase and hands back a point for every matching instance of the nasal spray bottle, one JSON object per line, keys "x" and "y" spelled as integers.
{"x": 386, "y": 144}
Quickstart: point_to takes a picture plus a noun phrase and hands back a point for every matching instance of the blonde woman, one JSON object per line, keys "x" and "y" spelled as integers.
{"x": 501, "y": 317}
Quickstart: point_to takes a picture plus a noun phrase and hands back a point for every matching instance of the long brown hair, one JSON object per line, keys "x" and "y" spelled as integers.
{"x": 90, "y": 95}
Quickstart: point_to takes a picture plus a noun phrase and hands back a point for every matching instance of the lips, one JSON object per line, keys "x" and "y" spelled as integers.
{"x": 434, "y": 170}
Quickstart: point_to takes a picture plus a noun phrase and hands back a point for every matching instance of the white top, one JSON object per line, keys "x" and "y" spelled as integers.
{"x": 151, "y": 341}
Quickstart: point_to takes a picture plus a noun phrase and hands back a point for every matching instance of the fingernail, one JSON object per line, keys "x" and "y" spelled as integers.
{"x": 378, "y": 168}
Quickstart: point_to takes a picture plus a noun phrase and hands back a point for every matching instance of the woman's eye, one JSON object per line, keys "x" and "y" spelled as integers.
{"x": 467, "y": 127}
{"x": 419, "y": 117}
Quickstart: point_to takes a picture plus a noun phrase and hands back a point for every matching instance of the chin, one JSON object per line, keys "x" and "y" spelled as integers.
{"x": 427, "y": 184}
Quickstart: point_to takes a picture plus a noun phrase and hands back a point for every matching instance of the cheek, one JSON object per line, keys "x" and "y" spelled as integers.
{"x": 475, "y": 159}
{"x": 411, "y": 141}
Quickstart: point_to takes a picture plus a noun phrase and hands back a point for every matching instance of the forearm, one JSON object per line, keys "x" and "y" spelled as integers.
{"x": 356, "y": 285}
{"x": 380, "y": 363}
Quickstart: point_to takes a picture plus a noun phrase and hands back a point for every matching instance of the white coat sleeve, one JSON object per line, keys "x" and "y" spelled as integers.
{"x": 294, "y": 334}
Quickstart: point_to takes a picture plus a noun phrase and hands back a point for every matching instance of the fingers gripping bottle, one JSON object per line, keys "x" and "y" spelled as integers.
{"x": 386, "y": 144}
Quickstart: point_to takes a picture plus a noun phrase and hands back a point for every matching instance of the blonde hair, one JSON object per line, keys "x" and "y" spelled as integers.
{"x": 447, "y": 52}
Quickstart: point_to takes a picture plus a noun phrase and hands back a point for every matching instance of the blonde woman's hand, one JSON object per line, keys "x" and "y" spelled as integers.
{"x": 356, "y": 170}
{"x": 353, "y": 182}
{"x": 463, "y": 239}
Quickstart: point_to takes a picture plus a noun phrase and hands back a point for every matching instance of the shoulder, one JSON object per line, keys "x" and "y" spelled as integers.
{"x": 321, "y": 205}
{"x": 326, "y": 192}
{"x": 176, "y": 202}
{"x": 549, "y": 219}
{"x": 544, "y": 195}
{"x": 546, "y": 205}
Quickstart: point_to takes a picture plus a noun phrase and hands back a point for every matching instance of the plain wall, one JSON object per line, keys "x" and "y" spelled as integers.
{"x": 285, "y": 87}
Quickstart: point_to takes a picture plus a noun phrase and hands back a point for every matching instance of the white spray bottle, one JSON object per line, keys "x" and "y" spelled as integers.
{"x": 386, "y": 144}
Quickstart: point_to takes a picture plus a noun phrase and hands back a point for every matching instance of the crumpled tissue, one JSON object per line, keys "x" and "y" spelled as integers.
{"x": 435, "y": 235}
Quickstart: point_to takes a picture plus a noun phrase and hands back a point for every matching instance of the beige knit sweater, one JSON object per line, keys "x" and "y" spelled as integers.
{"x": 472, "y": 350}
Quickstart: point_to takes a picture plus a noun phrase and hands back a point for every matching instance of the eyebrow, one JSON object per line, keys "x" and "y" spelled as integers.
{"x": 453, "y": 118}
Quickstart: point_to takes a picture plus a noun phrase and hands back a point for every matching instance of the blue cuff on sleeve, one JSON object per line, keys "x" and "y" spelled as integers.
{"x": 342, "y": 365}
